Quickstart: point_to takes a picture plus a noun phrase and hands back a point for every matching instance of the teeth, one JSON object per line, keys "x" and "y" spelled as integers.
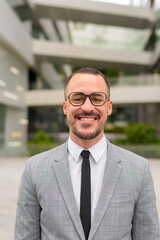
{"x": 87, "y": 119}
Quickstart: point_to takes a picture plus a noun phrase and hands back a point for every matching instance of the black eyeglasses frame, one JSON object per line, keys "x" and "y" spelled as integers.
{"x": 85, "y": 96}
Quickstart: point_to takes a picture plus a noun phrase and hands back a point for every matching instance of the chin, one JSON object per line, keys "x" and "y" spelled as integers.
{"x": 86, "y": 136}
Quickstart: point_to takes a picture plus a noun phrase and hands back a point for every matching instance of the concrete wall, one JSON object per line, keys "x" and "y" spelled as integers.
{"x": 119, "y": 95}
{"x": 13, "y": 34}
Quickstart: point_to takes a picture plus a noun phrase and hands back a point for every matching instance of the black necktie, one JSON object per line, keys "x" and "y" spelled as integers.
{"x": 85, "y": 203}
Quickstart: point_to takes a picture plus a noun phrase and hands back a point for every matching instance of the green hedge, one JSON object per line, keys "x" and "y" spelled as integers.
{"x": 114, "y": 129}
{"x": 41, "y": 142}
{"x": 41, "y": 138}
{"x": 34, "y": 149}
{"x": 147, "y": 151}
{"x": 140, "y": 138}
{"x": 141, "y": 133}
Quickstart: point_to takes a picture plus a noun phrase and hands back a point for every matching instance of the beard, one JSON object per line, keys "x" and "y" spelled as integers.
{"x": 84, "y": 134}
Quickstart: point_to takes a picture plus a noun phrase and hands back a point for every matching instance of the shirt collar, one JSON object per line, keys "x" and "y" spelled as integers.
{"x": 75, "y": 150}
{"x": 98, "y": 149}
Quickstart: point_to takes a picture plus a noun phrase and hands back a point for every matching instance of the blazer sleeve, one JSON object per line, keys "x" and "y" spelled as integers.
{"x": 27, "y": 225}
{"x": 145, "y": 224}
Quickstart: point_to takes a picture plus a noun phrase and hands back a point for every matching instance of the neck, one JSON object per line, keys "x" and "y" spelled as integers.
{"x": 86, "y": 143}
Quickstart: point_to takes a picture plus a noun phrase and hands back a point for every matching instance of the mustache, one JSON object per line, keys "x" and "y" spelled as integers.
{"x": 84, "y": 113}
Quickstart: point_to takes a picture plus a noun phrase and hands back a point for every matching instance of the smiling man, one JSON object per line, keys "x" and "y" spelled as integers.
{"x": 87, "y": 106}
{"x": 87, "y": 188}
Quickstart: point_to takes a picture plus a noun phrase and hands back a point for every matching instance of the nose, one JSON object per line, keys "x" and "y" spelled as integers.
{"x": 87, "y": 106}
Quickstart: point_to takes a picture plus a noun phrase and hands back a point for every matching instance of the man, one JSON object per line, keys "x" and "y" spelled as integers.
{"x": 101, "y": 193}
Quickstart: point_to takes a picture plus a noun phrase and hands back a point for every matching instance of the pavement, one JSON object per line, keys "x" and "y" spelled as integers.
{"x": 10, "y": 174}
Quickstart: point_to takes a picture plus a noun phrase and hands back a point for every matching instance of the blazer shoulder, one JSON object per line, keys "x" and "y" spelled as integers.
{"x": 127, "y": 157}
{"x": 47, "y": 157}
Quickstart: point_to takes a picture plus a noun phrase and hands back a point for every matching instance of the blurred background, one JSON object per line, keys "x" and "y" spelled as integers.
{"x": 41, "y": 43}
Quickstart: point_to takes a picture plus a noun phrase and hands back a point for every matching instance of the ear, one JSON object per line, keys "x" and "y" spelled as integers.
{"x": 109, "y": 107}
{"x": 64, "y": 107}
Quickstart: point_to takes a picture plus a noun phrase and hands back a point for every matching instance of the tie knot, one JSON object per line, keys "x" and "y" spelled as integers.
{"x": 85, "y": 154}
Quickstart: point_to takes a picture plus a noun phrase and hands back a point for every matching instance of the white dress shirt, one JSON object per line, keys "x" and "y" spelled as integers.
{"x": 98, "y": 157}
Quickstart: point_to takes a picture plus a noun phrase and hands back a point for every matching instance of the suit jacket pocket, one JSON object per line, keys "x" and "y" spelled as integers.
{"x": 121, "y": 208}
{"x": 123, "y": 198}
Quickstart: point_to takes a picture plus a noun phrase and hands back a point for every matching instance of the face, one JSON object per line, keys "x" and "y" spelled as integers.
{"x": 87, "y": 122}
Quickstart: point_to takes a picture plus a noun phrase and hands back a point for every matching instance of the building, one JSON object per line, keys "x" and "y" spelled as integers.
{"x": 42, "y": 41}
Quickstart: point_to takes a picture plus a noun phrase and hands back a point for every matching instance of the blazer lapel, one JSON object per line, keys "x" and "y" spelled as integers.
{"x": 111, "y": 176}
{"x": 61, "y": 169}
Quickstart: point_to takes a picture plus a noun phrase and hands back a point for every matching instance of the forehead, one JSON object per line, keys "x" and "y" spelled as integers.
{"x": 84, "y": 82}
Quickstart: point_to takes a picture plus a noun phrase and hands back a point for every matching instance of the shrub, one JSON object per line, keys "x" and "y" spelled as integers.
{"x": 114, "y": 129}
{"x": 40, "y": 143}
{"x": 141, "y": 133}
{"x": 34, "y": 149}
{"x": 41, "y": 138}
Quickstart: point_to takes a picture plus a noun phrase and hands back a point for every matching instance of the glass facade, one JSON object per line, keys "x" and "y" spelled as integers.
{"x": 13, "y": 113}
{"x": 106, "y": 36}
{"x": 136, "y": 3}
{"x": 13, "y": 79}
{"x": 49, "y": 119}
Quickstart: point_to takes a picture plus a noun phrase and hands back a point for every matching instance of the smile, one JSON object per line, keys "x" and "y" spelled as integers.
{"x": 87, "y": 118}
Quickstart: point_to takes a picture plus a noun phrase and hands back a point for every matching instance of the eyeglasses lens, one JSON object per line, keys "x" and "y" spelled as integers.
{"x": 77, "y": 98}
{"x": 98, "y": 99}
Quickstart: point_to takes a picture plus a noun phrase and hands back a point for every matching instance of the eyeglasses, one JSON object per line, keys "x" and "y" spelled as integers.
{"x": 78, "y": 98}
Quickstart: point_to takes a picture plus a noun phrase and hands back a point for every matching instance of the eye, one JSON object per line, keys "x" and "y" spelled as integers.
{"x": 97, "y": 98}
{"x": 77, "y": 98}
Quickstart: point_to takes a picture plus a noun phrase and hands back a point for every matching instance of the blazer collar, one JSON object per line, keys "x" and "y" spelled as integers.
{"x": 61, "y": 169}
{"x": 60, "y": 152}
{"x": 111, "y": 176}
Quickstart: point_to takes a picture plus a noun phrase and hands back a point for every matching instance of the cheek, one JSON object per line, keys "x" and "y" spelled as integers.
{"x": 104, "y": 112}
{"x": 69, "y": 111}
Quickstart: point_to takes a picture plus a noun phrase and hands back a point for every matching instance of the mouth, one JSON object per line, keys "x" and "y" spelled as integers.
{"x": 85, "y": 119}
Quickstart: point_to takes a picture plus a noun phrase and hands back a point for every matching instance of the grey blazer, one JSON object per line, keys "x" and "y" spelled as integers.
{"x": 47, "y": 207}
